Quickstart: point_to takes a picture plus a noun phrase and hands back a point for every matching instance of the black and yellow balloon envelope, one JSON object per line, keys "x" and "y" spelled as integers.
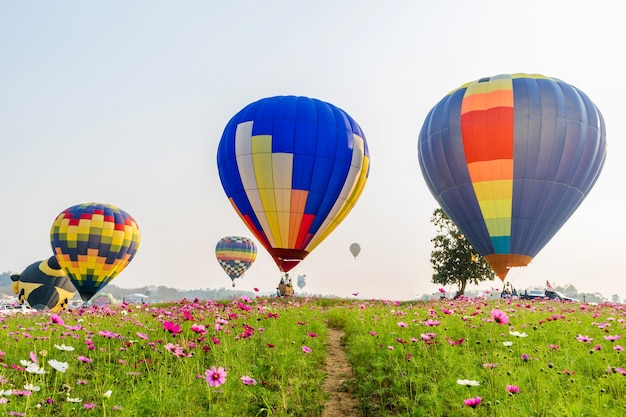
{"x": 235, "y": 254}
{"x": 44, "y": 286}
{"x": 93, "y": 243}
{"x": 509, "y": 159}
{"x": 293, "y": 168}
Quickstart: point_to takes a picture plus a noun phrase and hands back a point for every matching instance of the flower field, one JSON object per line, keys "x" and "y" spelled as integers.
{"x": 265, "y": 357}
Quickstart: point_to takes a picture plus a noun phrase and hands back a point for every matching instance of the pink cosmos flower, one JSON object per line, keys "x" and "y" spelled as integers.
{"x": 525, "y": 357}
{"x": 247, "y": 380}
{"x": 89, "y": 406}
{"x": 256, "y": 289}
{"x": 215, "y": 377}
{"x": 56, "y": 319}
{"x": 612, "y": 338}
{"x": 198, "y": 328}
{"x": 499, "y": 316}
{"x": 402, "y": 324}
{"x": 84, "y": 359}
{"x": 472, "y": 402}
{"x": 512, "y": 389}
{"x": 585, "y": 339}
{"x": 172, "y": 327}
{"x": 306, "y": 349}
{"x": 442, "y": 290}
{"x": 618, "y": 348}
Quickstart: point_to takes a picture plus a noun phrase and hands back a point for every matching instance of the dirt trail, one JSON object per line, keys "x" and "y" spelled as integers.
{"x": 338, "y": 370}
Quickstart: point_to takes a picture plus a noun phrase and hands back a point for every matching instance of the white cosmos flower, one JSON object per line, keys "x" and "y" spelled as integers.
{"x": 518, "y": 334}
{"x": 7, "y": 392}
{"x": 507, "y": 343}
{"x": 74, "y": 400}
{"x": 467, "y": 382}
{"x": 59, "y": 366}
{"x": 26, "y": 363}
{"x": 31, "y": 387}
{"x": 63, "y": 347}
{"x": 107, "y": 394}
{"x": 33, "y": 368}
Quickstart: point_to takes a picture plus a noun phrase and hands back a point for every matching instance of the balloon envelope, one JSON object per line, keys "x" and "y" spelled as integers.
{"x": 44, "y": 285}
{"x": 509, "y": 159}
{"x": 293, "y": 168}
{"x": 355, "y": 249}
{"x": 235, "y": 255}
{"x": 93, "y": 243}
{"x": 301, "y": 281}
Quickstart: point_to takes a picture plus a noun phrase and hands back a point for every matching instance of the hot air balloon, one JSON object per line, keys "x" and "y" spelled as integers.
{"x": 355, "y": 249}
{"x": 44, "y": 286}
{"x": 293, "y": 168}
{"x": 509, "y": 158}
{"x": 301, "y": 281}
{"x": 93, "y": 243}
{"x": 235, "y": 255}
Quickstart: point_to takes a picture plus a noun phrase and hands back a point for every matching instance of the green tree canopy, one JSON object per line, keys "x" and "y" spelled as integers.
{"x": 453, "y": 259}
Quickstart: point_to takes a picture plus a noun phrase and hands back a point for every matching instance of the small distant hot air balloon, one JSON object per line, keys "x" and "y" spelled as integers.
{"x": 44, "y": 286}
{"x": 355, "y": 249}
{"x": 301, "y": 281}
{"x": 93, "y": 243}
{"x": 235, "y": 255}
{"x": 509, "y": 158}
{"x": 293, "y": 168}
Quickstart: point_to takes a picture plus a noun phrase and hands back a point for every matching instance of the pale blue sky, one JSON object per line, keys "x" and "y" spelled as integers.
{"x": 125, "y": 102}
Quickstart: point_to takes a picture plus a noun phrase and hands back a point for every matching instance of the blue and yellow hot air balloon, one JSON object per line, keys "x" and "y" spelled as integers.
{"x": 93, "y": 243}
{"x": 293, "y": 168}
{"x": 235, "y": 254}
{"x": 509, "y": 159}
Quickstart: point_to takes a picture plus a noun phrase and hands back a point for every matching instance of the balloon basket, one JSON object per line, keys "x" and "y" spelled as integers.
{"x": 285, "y": 290}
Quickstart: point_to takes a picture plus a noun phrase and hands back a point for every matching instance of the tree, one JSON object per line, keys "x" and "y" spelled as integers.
{"x": 454, "y": 259}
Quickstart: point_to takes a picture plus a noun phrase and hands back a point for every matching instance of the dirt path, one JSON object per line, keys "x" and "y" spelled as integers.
{"x": 338, "y": 370}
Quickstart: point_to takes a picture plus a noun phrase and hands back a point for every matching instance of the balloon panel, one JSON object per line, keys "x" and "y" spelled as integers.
{"x": 509, "y": 159}
{"x": 93, "y": 243}
{"x": 235, "y": 255}
{"x": 293, "y": 168}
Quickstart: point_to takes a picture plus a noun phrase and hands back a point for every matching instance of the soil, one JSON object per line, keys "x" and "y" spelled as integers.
{"x": 338, "y": 374}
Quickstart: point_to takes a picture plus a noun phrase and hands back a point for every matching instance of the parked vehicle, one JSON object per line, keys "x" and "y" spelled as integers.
{"x": 547, "y": 294}
{"x": 7, "y": 309}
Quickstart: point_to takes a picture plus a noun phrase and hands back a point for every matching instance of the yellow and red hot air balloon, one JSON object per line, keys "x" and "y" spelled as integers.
{"x": 93, "y": 243}
{"x": 509, "y": 158}
{"x": 235, "y": 254}
{"x": 293, "y": 168}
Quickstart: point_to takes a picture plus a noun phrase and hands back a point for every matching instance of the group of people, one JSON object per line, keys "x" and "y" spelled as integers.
{"x": 508, "y": 291}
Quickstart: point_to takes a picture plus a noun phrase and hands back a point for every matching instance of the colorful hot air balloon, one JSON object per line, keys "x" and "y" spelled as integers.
{"x": 235, "y": 255}
{"x": 355, "y": 249}
{"x": 93, "y": 243}
{"x": 293, "y": 168}
{"x": 509, "y": 159}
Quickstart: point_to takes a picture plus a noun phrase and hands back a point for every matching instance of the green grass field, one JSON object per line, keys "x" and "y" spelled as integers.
{"x": 438, "y": 358}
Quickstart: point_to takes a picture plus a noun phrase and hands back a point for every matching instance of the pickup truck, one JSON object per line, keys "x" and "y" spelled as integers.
{"x": 547, "y": 294}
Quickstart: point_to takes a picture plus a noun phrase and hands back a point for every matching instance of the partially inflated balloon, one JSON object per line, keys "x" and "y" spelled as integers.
{"x": 509, "y": 159}
{"x": 93, "y": 243}
{"x": 355, "y": 249}
{"x": 293, "y": 168}
{"x": 235, "y": 255}
{"x": 44, "y": 286}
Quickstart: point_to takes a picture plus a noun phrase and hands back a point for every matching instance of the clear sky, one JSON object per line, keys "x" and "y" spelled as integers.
{"x": 124, "y": 102}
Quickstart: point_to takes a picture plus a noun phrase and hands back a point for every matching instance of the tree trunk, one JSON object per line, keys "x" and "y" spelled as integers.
{"x": 461, "y": 290}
